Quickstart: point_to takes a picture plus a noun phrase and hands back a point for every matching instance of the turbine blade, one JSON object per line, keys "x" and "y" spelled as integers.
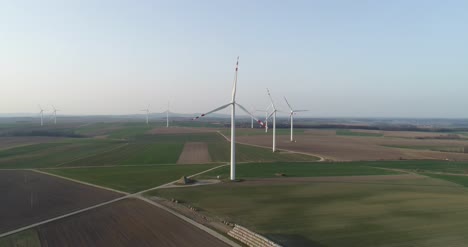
{"x": 215, "y": 110}
{"x": 288, "y": 104}
{"x": 245, "y": 110}
{"x": 234, "y": 87}
{"x": 271, "y": 114}
{"x": 271, "y": 99}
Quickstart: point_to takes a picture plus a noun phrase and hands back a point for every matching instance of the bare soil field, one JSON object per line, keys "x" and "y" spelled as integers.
{"x": 130, "y": 222}
{"x": 29, "y": 197}
{"x": 181, "y": 130}
{"x": 354, "y": 148}
{"x": 194, "y": 153}
{"x": 10, "y": 142}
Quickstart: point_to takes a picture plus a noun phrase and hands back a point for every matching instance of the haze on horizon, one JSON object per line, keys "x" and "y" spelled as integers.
{"x": 335, "y": 58}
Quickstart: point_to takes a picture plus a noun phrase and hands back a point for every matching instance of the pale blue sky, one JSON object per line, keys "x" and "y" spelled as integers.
{"x": 336, "y": 58}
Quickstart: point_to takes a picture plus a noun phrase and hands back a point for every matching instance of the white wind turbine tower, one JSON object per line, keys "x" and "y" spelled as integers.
{"x": 147, "y": 114}
{"x": 291, "y": 116}
{"x": 251, "y": 118}
{"x": 55, "y": 114}
{"x": 273, "y": 113}
{"x": 42, "y": 114}
{"x": 233, "y": 105}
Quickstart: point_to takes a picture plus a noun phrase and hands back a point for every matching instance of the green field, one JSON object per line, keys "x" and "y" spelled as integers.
{"x": 346, "y": 132}
{"x": 28, "y": 238}
{"x": 424, "y": 166}
{"x": 132, "y": 148}
{"x": 298, "y": 169}
{"x": 405, "y": 212}
{"x": 131, "y": 179}
{"x": 53, "y": 154}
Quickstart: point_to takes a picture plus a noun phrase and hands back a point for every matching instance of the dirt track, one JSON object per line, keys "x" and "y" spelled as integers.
{"x": 50, "y": 197}
{"x": 194, "y": 153}
{"x": 130, "y": 222}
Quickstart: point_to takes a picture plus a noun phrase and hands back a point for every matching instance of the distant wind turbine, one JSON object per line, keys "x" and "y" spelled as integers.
{"x": 147, "y": 114}
{"x": 291, "y": 116}
{"x": 54, "y": 112}
{"x": 41, "y": 111}
{"x": 273, "y": 113}
{"x": 233, "y": 105}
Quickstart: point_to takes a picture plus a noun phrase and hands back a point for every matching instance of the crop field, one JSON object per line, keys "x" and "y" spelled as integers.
{"x": 167, "y": 148}
{"x": 54, "y": 153}
{"x": 328, "y": 144}
{"x": 11, "y": 142}
{"x": 346, "y": 132}
{"x": 391, "y": 210}
{"x": 29, "y": 197}
{"x": 298, "y": 169}
{"x": 130, "y": 222}
{"x": 131, "y": 178}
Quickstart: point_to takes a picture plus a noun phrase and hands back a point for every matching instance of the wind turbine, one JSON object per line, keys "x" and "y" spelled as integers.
{"x": 55, "y": 114}
{"x": 291, "y": 115}
{"x": 273, "y": 113}
{"x": 147, "y": 114}
{"x": 266, "y": 117}
{"x": 233, "y": 105}
{"x": 42, "y": 114}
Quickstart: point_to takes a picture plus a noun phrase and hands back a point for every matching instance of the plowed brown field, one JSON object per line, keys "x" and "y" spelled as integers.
{"x": 194, "y": 153}
{"x": 353, "y": 148}
{"x": 29, "y": 197}
{"x": 130, "y": 222}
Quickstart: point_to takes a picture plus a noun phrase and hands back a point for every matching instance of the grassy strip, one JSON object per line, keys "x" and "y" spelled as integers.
{"x": 28, "y": 238}
{"x": 131, "y": 179}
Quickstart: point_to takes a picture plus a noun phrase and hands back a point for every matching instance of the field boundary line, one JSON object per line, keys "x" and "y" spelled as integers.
{"x": 190, "y": 221}
{"x": 80, "y": 182}
{"x": 62, "y": 216}
{"x": 125, "y": 196}
{"x": 321, "y": 158}
{"x": 105, "y": 151}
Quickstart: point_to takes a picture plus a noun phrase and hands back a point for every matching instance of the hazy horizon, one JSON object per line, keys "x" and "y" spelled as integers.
{"x": 397, "y": 59}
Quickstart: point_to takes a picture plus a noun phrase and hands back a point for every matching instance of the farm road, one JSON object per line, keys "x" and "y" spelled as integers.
{"x": 137, "y": 195}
